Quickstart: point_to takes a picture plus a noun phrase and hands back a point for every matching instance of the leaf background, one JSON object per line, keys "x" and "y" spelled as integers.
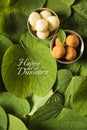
{"x": 73, "y": 15}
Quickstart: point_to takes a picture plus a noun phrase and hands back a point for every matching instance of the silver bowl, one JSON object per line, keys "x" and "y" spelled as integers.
{"x": 33, "y": 33}
{"x": 80, "y": 48}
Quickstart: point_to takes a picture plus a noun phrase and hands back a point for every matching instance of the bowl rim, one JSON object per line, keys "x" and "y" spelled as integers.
{"x": 54, "y": 32}
{"x": 81, "y": 49}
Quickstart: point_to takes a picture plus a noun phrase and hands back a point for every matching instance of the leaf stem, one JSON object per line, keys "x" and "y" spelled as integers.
{"x": 77, "y": 70}
{"x": 23, "y": 45}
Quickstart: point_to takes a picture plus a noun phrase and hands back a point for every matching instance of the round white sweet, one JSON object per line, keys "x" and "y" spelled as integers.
{"x": 43, "y": 35}
{"x": 34, "y": 16}
{"x": 53, "y": 23}
{"x": 33, "y": 28}
{"x": 45, "y": 14}
{"x": 41, "y": 25}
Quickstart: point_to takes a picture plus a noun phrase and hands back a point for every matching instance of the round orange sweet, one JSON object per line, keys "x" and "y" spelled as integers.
{"x": 58, "y": 51}
{"x": 70, "y": 53}
{"x": 72, "y": 40}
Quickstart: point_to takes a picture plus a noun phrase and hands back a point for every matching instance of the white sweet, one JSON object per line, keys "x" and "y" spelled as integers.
{"x": 43, "y": 35}
{"x": 42, "y": 25}
{"x": 45, "y": 14}
{"x": 34, "y": 16}
{"x": 53, "y": 23}
{"x": 33, "y": 28}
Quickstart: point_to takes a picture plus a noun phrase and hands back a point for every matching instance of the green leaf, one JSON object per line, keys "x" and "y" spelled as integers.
{"x": 49, "y": 110}
{"x": 26, "y": 6}
{"x": 2, "y": 20}
{"x": 62, "y": 36}
{"x": 7, "y": 3}
{"x": 64, "y": 78}
{"x": 83, "y": 61}
{"x": 61, "y": 7}
{"x": 79, "y": 18}
{"x": 13, "y": 16}
{"x": 56, "y": 97}
{"x": 14, "y": 105}
{"x": 43, "y": 56}
{"x": 75, "y": 68}
{"x": 72, "y": 88}
{"x": 15, "y": 123}
{"x": 39, "y": 101}
{"x": 79, "y": 67}
{"x": 40, "y": 71}
{"x": 16, "y": 22}
{"x": 14, "y": 82}
{"x": 3, "y": 119}
{"x": 77, "y": 25}
{"x": 80, "y": 24}
{"x": 81, "y": 8}
{"x": 46, "y": 112}
{"x": 68, "y": 119}
{"x": 80, "y": 98}
{"x": 83, "y": 71}
{"x": 4, "y": 44}
{"x": 29, "y": 40}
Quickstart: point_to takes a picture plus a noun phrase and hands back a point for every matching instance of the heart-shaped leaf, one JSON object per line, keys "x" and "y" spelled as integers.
{"x": 63, "y": 79}
{"x": 15, "y": 123}
{"x": 15, "y": 83}
{"x": 31, "y": 68}
{"x": 14, "y": 105}
{"x": 62, "y": 8}
{"x": 72, "y": 88}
